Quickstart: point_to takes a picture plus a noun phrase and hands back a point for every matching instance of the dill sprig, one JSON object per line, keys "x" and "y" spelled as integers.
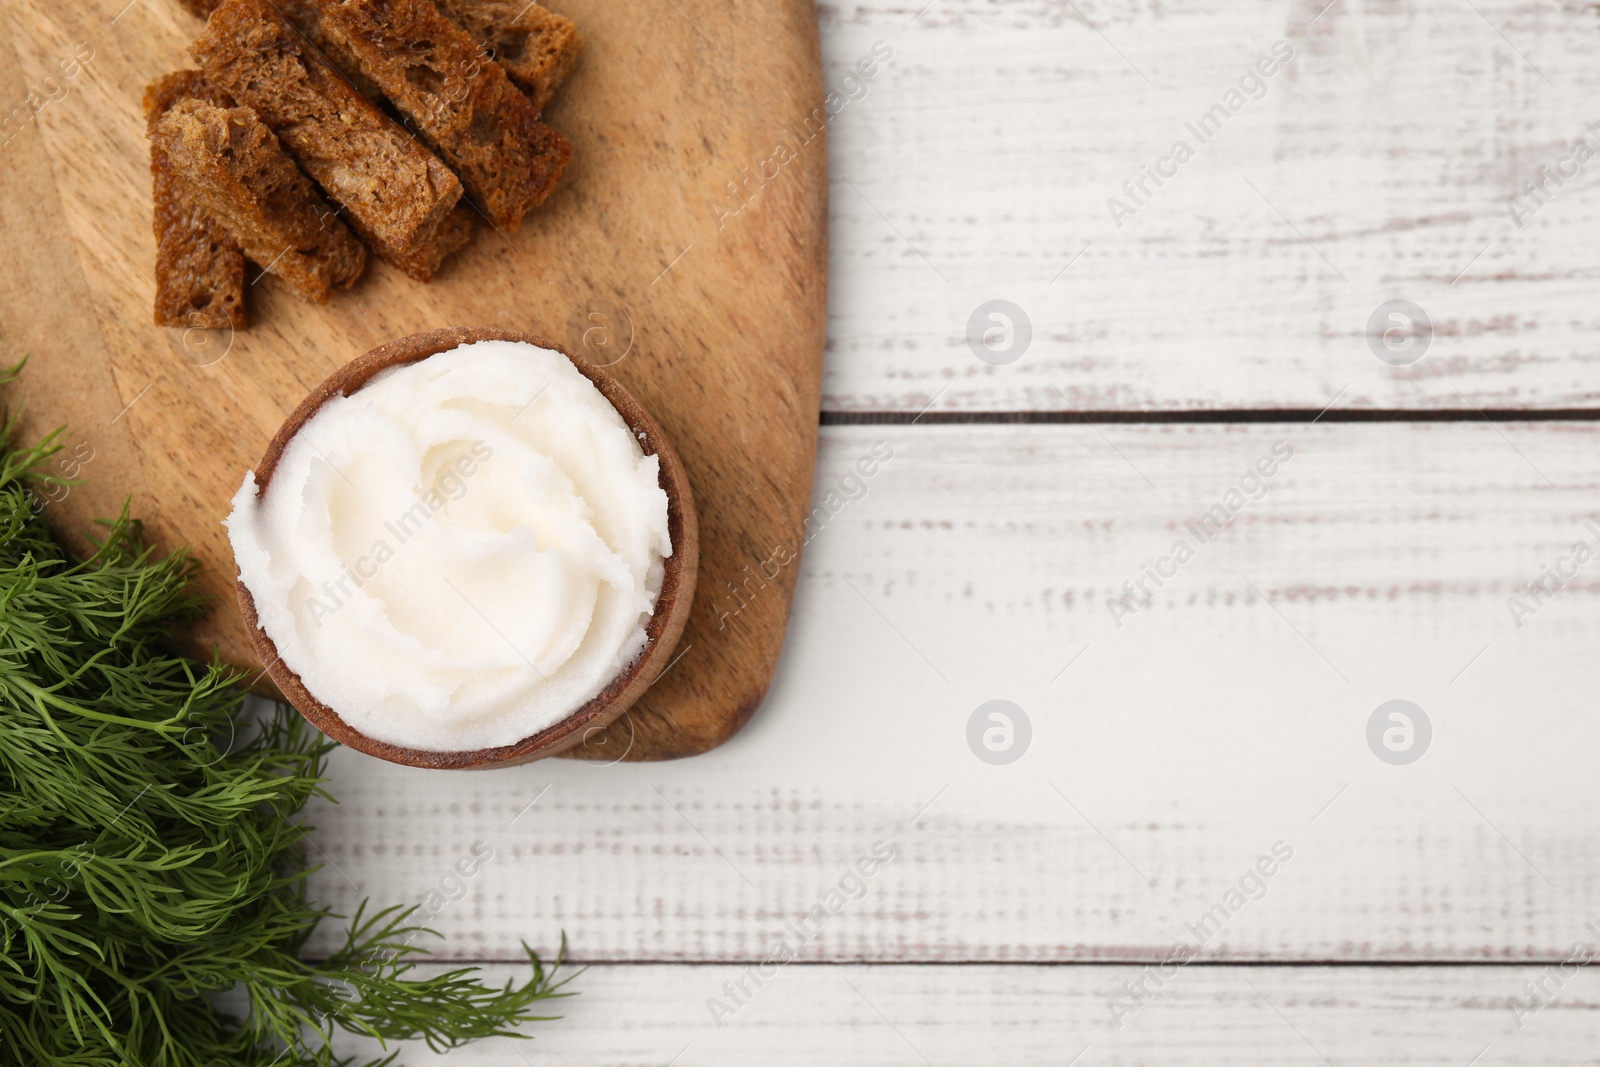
{"x": 152, "y": 868}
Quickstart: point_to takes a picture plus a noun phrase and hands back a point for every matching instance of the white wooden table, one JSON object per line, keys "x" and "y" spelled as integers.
{"x": 1177, "y": 740}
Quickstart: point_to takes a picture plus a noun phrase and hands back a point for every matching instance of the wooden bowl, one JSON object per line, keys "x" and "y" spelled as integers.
{"x": 661, "y": 633}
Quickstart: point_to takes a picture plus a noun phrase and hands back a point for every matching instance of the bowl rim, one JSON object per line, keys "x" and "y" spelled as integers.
{"x": 662, "y": 632}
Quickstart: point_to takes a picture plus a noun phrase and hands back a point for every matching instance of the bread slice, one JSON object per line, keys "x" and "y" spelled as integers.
{"x": 307, "y": 18}
{"x": 199, "y": 266}
{"x": 537, "y": 47}
{"x": 384, "y": 178}
{"x": 233, "y": 164}
{"x": 424, "y": 261}
{"x": 461, "y": 101}
{"x": 306, "y": 15}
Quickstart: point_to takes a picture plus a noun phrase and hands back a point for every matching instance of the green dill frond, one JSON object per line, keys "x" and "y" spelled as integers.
{"x": 151, "y": 854}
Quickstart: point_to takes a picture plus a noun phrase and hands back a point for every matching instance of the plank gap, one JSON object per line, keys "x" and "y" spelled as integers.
{"x": 1227, "y": 415}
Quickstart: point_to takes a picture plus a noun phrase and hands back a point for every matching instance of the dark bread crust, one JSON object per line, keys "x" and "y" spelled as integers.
{"x": 424, "y": 261}
{"x": 397, "y": 189}
{"x": 462, "y": 102}
{"x": 307, "y": 18}
{"x": 169, "y": 89}
{"x": 199, "y": 266}
{"x": 233, "y": 164}
{"x": 537, "y": 47}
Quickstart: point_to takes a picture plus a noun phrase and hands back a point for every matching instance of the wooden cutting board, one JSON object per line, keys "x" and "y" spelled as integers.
{"x": 687, "y": 249}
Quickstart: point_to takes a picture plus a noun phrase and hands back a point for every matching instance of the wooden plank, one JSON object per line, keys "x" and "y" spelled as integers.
{"x": 34, "y": 216}
{"x": 1167, "y": 754}
{"x": 1379, "y": 164}
{"x": 1052, "y": 1015}
{"x": 626, "y": 264}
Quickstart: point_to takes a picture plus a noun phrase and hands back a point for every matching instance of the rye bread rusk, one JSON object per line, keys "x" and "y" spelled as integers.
{"x": 199, "y": 265}
{"x": 307, "y": 18}
{"x": 233, "y": 164}
{"x": 424, "y": 261}
{"x": 537, "y": 47}
{"x": 441, "y": 79}
{"x": 364, "y": 160}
